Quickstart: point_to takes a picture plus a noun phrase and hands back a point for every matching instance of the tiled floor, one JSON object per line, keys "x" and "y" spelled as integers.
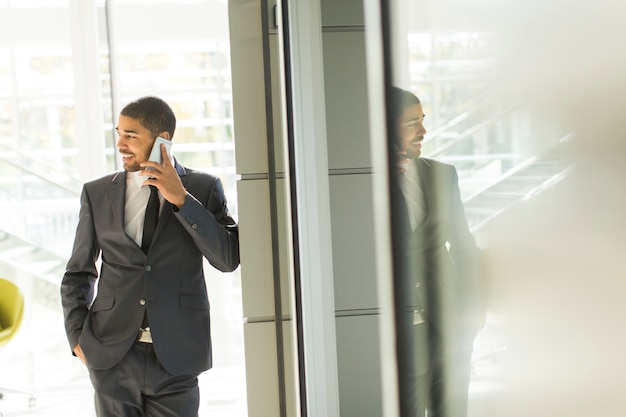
{"x": 220, "y": 398}
{"x": 38, "y": 362}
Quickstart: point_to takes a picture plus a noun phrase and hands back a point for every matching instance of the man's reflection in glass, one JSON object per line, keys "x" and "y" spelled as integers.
{"x": 438, "y": 294}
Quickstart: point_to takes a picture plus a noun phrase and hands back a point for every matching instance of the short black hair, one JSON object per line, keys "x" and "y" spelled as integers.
{"x": 153, "y": 113}
{"x": 400, "y": 100}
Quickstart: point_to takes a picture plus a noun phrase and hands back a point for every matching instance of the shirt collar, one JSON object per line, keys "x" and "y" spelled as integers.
{"x": 139, "y": 179}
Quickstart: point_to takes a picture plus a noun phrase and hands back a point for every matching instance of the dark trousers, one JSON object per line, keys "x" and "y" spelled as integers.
{"x": 138, "y": 386}
{"x": 413, "y": 371}
{"x": 434, "y": 372}
{"x": 449, "y": 377}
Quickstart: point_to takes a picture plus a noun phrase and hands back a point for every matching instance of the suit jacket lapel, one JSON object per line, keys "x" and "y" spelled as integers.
{"x": 117, "y": 193}
{"x": 425, "y": 179}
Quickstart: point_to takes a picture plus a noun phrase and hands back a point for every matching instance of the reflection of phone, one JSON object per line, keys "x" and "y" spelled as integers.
{"x": 155, "y": 153}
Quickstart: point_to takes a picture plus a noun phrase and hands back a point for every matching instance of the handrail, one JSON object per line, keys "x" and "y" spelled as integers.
{"x": 469, "y": 132}
{"x": 52, "y": 260}
{"x": 73, "y": 191}
{"x": 517, "y": 168}
{"x": 66, "y": 171}
{"x": 457, "y": 120}
{"x": 546, "y": 184}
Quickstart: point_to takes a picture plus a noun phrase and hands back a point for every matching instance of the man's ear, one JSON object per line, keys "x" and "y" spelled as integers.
{"x": 165, "y": 135}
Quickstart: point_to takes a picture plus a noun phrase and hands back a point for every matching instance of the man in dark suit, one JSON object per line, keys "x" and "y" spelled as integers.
{"x": 438, "y": 273}
{"x": 141, "y": 323}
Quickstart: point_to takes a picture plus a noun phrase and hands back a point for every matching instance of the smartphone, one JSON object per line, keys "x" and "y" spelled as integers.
{"x": 155, "y": 153}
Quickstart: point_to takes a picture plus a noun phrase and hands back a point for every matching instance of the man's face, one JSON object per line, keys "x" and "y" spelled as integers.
{"x": 410, "y": 130}
{"x": 134, "y": 142}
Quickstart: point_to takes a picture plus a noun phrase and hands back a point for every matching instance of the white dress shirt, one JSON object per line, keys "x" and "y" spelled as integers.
{"x": 135, "y": 206}
{"x": 413, "y": 194}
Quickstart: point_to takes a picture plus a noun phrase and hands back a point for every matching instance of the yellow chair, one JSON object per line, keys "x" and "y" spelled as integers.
{"x": 11, "y": 310}
{"x": 11, "y": 313}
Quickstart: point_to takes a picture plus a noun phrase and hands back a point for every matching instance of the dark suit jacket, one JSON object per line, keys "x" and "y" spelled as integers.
{"x": 442, "y": 264}
{"x": 168, "y": 282}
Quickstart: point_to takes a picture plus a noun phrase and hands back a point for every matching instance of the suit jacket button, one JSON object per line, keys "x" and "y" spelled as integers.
{"x": 194, "y": 226}
{"x": 142, "y": 301}
{"x": 148, "y": 268}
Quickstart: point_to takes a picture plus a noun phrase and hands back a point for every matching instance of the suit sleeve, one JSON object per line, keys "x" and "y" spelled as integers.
{"x": 212, "y": 228}
{"x": 79, "y": 280}
{"x": 467, "y": 258}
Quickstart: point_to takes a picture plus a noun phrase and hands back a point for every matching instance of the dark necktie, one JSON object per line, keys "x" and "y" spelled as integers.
{"x": 152, "y": 215}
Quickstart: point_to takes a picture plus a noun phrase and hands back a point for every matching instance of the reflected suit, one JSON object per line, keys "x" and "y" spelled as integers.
{"x": 439, "y": 295}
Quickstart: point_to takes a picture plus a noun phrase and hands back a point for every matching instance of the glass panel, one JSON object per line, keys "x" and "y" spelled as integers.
{"x": 526, "y": 120}
{"x": 38, "y": 201}
{"x": 188, "y": 65}
{"x": 37, "y": 132}
{"x": 185, "y": 61}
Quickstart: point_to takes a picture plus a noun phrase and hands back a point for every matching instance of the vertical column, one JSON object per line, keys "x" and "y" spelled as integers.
{"x": 351, "y": 208}
{"x": 87, "y": 90}
{"x": 313, "y": 208}
{"x": 253, "y": 194}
